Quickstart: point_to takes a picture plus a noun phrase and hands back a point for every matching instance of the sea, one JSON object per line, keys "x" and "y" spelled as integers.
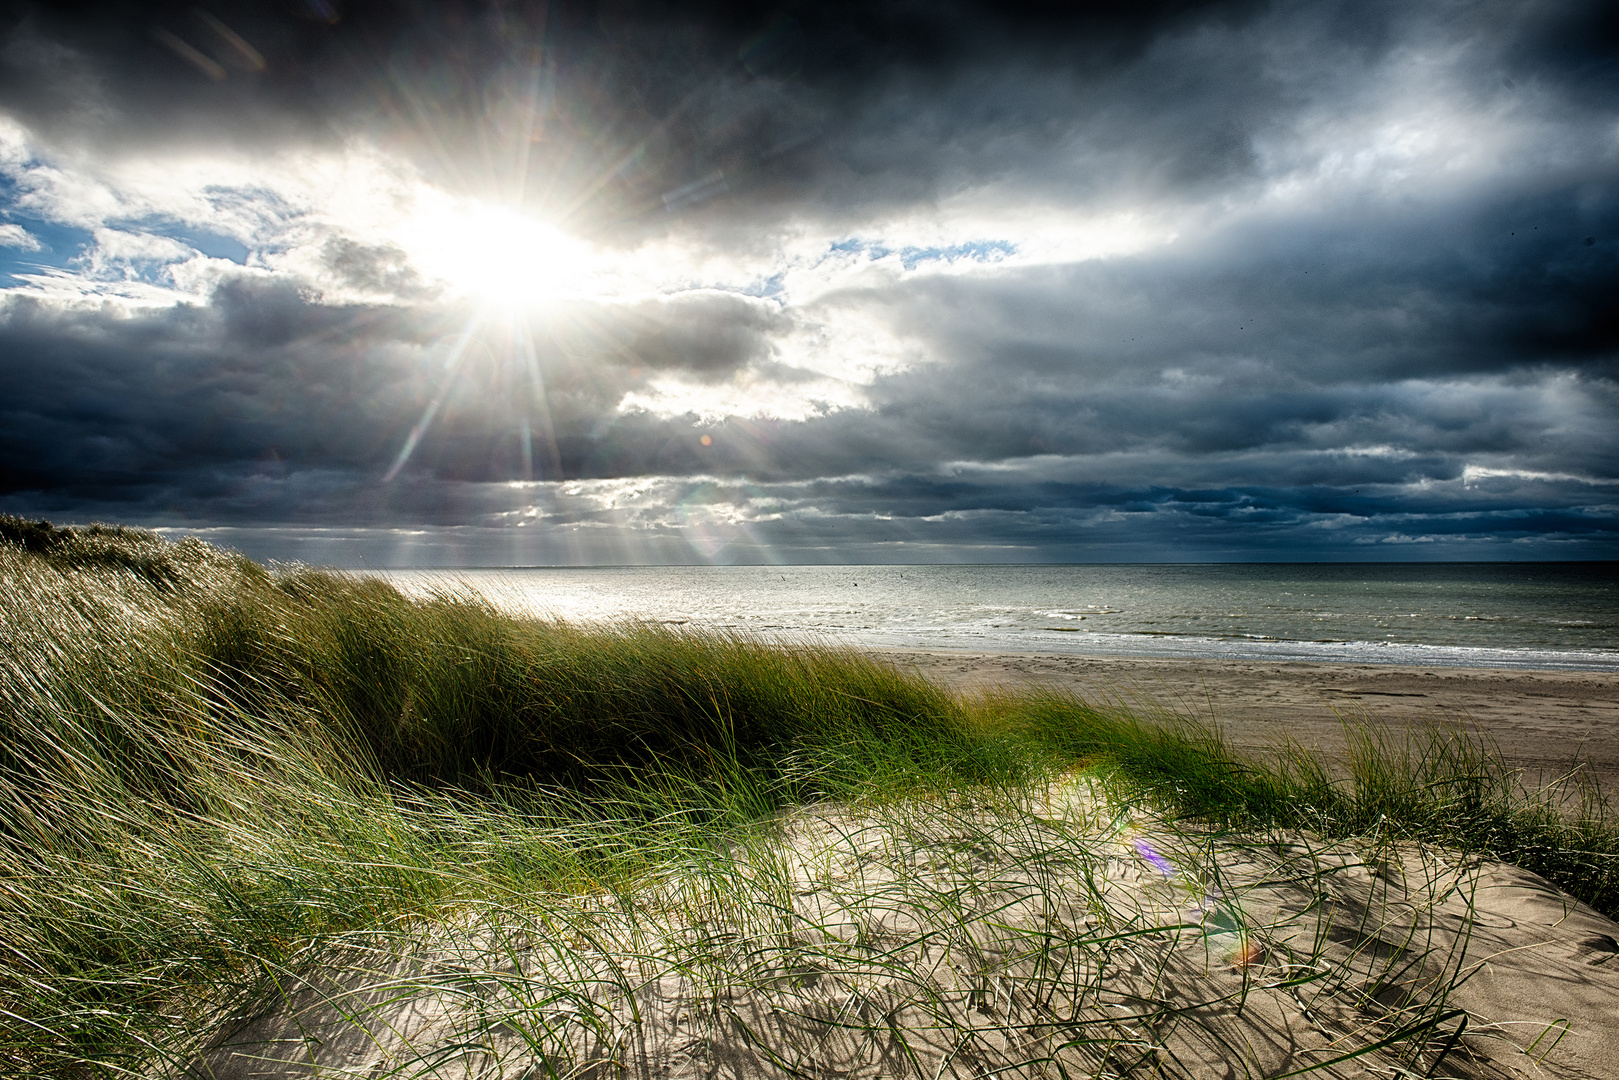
{"x": 1515, "y": 615}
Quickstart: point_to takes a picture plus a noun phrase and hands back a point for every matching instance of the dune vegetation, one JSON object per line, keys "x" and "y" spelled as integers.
{"x": 228, "y": 791}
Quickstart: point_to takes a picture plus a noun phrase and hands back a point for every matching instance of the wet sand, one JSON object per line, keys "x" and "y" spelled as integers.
{"x": 1543, "y": 721}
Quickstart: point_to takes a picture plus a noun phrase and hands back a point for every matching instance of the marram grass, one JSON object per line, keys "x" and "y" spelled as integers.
{"x": 214, "y": 776}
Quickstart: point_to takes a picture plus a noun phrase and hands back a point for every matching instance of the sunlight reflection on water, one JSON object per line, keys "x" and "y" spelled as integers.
{"x": 1540, "y": 615}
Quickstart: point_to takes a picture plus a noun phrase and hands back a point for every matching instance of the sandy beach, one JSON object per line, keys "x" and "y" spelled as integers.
{"x": 1542, "y": 720}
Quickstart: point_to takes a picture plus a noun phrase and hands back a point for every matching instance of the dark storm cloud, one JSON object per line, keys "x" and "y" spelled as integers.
{"x": 1379, "y": 363}
{"x": 227, "y": 407}
{"x": 373, "y": 268}
{"x": 624, "y": 110}
{"x": 268, "y": 406}
{"x": 710, "y": 334}
{"x": 1490, "y": 347}
{"x": 295, "y": 58}
{"x": 99, "y": 401}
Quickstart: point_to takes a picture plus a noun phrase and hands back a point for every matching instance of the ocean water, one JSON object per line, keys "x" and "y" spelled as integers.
{"x": 1528, "y": 615}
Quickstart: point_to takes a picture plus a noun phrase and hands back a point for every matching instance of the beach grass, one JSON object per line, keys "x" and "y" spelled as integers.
{"x": 220, "y": 783}
{"x": 1440, "y": 783}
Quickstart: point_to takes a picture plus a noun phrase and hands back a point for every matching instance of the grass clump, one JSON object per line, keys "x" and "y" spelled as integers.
{"x": 120, "y": 547}
{"x": 1439, "y": 784}
{"x": 448, "y": 690}
{"x": 217, "y": 780}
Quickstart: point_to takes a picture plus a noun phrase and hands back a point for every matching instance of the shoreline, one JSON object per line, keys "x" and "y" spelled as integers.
{"x": 1542, "y": 720}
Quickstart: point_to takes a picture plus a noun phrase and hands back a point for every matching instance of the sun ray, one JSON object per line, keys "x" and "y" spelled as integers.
{"x": 539, "y": 403}
{"x": 451, "y": 362}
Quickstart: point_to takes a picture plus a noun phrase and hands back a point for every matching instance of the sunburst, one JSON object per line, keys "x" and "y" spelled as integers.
{"x": 496, "y": 256}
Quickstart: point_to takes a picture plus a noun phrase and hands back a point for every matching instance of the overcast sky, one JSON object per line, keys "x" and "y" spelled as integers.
{"x": 521, "y": 283}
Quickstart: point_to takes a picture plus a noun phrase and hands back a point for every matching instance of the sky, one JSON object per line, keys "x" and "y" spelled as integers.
{"x": 521, "y": 283}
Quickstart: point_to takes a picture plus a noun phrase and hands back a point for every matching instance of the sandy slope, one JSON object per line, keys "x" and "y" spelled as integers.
{"x": 1071, "y": 937}
{"x": 1541, "y": 719}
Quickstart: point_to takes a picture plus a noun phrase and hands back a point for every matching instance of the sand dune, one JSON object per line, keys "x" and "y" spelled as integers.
{"x": 1073, "y": 937}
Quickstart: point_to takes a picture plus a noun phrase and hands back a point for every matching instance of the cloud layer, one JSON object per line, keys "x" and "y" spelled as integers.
{"x": 636, "y": 282}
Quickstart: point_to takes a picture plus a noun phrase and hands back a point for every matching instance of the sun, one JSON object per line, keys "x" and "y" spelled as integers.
{"x": 495, "y": 255}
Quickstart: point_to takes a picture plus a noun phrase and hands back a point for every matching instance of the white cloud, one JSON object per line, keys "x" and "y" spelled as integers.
{"x": 1473, "y": 474}
{"x": 115, "y": 247}
{"x": 749, "y": 395}
{"x": 15, "y": 236}
{"x": 67, "y": 290}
